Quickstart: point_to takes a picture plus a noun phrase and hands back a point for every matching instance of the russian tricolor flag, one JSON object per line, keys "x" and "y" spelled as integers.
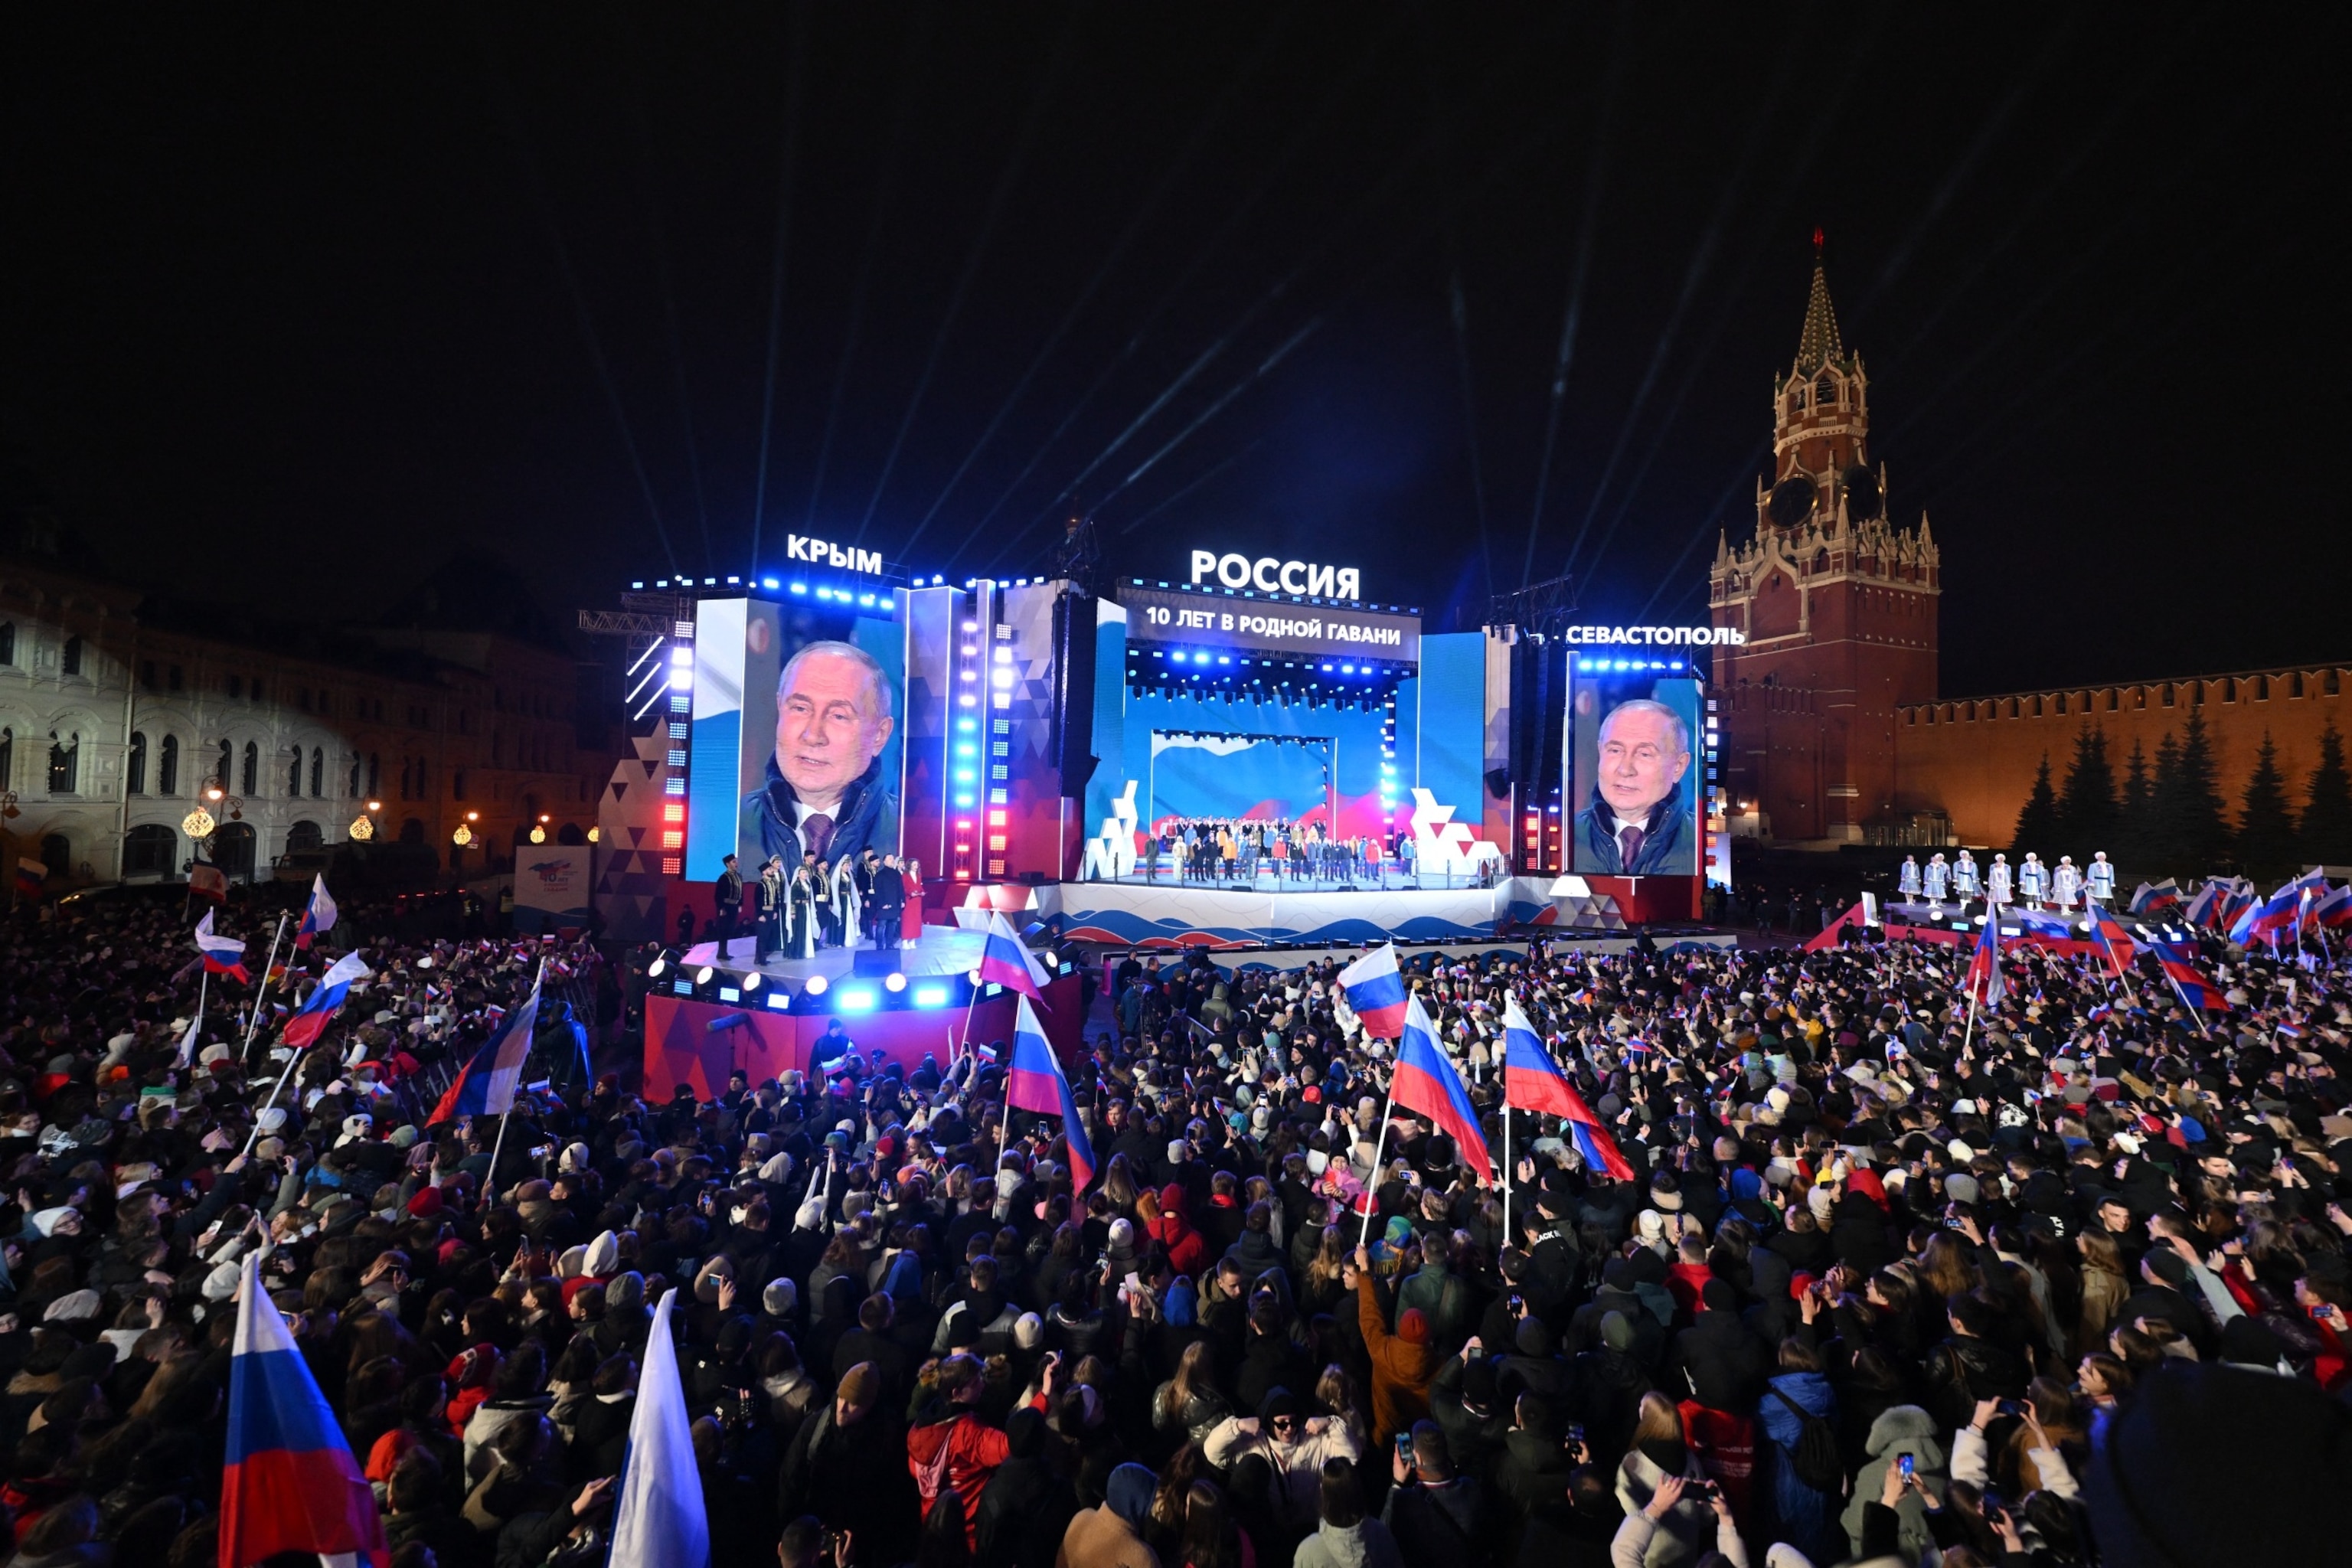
{"x": 1007, "y": 960}
{"x": 1985, "y": 984}
{"x": 1375, "y": 992}
{"x": 1036, "y": 1082}
{"x": 290, "y": 1484}
{"x": 2112, "y": 938}
{"x": 2335, "y": 909}
{"x": 2177, "y": 959}
{"x": 317, "y": 1010}
{"x": 318, "y": 916}
{"x": 486, "y": 1084}
{"x": 1426, "y": 1084}
{"x": 2269, "y": 916}
{"x": 1533, "y": 1081}
{"x": 2150, "y": 897}
{"x": 222, "y": 954}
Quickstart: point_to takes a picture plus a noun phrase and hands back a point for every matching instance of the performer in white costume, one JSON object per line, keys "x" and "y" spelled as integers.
{"x": 2032, "y": 879}
{"x": 1997, "y": 887}
{"x": 1964, "y": 878}
{"x": 2065, "y": 884}
{"x": 2099, "y": 879}
{"x": 1938, "y": 879}
{"x": 1906, "y": 880}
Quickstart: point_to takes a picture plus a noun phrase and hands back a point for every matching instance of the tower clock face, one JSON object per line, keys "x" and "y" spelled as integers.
{"x": 1861, "y": 497}
{"x": 1792, "y": 503}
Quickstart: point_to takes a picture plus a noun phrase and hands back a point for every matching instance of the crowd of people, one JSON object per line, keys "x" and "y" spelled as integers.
{"x": 2060, "y": 1282}
{"x": 1223, "y": 848}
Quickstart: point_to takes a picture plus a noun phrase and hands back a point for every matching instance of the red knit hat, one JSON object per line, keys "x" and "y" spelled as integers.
{"x": 1413, "y": 1328}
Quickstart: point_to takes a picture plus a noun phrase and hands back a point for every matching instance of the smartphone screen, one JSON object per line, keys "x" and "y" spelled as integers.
{"x": 1904, "y": 1464}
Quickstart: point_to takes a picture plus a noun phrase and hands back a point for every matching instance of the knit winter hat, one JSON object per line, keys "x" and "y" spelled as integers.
{"x": 780, "y": 1298}
{"x": 861, "y": 1385}
{"x": 1413, "y": 1327}
{"x": 1616, "y": 1332}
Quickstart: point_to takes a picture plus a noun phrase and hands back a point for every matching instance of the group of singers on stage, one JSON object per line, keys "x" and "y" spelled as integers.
{"x": 1207, "y": 848}
{"x": 2029, "y": 882}
{"x": 854, "y": 901}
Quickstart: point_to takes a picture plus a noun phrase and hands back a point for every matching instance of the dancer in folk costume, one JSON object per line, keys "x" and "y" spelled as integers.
{"x": 1966, "y": 884}
{"x": 2065, "y": 884}
{"x": 1907, "y": 879}
{"x": 847, "y": 907}
{"x": 2099, "y": 879}
{"x": 1998, "y": 890}
{"x": 805, "y": 907}
{"x": 1937, "y": 880}
{"x": 2032, "y": 879}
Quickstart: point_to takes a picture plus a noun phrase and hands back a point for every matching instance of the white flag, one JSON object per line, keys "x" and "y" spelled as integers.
{"x": 660, "y": 1517}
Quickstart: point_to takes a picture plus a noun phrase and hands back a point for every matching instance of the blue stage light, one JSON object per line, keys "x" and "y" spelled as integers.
{"x": 865, "y": 599}
{"x": 799, "y": 587}
{"x": 859, "y": 999}
{"x": 1677, "y": 664}
{"x": 964, "y": 801}
{"x": 768, "y": 583}
{"x": 931, "y": 995}
{"x": 824, "y": 593}
{"x": 636, "y": 584}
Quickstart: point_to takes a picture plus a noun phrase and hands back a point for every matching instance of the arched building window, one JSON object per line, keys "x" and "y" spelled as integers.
{"x": 8, "y": 755}
{"x": 8, "y": 642}
{"x": 252, "y": 769}
{"x": 69, "y": 661}
{"x": 318, "y": 771}
{"x": 224, "y": 775}
{"x": 148, "y": 850}
{"x": 294, "y": 775}
{"x": 1825, "y": 393}
{"x": 167, "y": 766}
{"x": 135, "y": 771}
{"x": 65, "y": 762}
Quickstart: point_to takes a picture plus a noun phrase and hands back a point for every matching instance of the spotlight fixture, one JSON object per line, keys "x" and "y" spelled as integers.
{"x": 702, "y": 975}
{"x": 894, "y": 982}
{"x": 816, "y": 985}
{"x": 751, "y": 980}
{"x": 654, "y": 969}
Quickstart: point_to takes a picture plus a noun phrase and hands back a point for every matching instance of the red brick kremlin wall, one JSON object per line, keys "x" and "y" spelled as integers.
{"x": 1975, "y": 758}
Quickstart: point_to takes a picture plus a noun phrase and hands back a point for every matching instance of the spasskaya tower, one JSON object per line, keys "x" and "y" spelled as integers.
{"x": 1837, "y": 606}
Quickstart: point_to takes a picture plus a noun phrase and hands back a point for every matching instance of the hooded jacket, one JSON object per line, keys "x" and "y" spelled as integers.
{"x": 1366, "y": 1544}
{"x": 1297, "y": 1465}
{"x": 951, "y": 1446}
{"x": 1187, "y": 1249}
{"x": 1899, "y": 1430}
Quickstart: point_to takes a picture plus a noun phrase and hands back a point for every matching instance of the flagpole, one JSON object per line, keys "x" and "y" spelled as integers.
{"x": 253, "y": 1024}
{"x": 1380, "y": 1146}
{"x": 490, "y": 1181}
{"x": 274, "y": 1091}
{"x": 1508, "y": 1172}
{"x": 204, "y": 979}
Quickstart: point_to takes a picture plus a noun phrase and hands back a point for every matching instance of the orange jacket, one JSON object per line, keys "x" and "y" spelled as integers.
{"x": 1403, "y": 1364}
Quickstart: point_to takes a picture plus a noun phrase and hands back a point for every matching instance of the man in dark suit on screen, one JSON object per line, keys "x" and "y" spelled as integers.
{"x": 1638, "y": 824}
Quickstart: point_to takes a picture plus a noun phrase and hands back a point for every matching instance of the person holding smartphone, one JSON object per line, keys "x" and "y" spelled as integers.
{"x": 1436, "y": 1514}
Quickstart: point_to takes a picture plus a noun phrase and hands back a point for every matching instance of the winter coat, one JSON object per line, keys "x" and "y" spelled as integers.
{"x": 1442, "y": 1297}
{"x": 1297, "y": 1467}
{"x": 1402, "y": 1368}
{"x": 951, "y": 1448}
{"x": 1725, "y": 1365}
{"x": 1366, "y": 1544}
{"x": 1904, "y": 1429}
{"x": 1097, "y": 1538}
{"x": 1187, "y": 1249}
{"x": 1688, "y": 1529}
{"x": 1805, "y": 1518}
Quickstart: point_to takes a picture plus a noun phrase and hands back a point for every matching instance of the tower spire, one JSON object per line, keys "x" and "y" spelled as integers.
{"x": 1820, "y": 344}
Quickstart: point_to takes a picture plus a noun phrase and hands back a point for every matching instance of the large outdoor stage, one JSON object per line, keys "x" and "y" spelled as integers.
{"x": 698, "y": 1031}
{"x": 1128, "y": 914}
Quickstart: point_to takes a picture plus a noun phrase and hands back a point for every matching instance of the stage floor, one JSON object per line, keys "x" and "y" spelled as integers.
{"x": 941, "y": 949}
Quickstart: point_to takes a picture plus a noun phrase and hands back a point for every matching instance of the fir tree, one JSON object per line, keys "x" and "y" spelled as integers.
{"x": 2266, "y": 842}
{"x": 2037, "y": 824}
{"x": 2326, "y": 836}
{"x": 2132, "y": 825}
{"x": 2160, "y": 842}
{"x": 2191, "y": 835}
{"x": 2087, "y": 803}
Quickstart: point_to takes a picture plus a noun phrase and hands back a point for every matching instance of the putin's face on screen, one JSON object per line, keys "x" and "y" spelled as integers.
{"x": 1643, "y": 756}
{"x": 832, "y": 720}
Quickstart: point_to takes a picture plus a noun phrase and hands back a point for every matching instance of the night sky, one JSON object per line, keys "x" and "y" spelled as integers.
{"x": 298, "y": 307}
